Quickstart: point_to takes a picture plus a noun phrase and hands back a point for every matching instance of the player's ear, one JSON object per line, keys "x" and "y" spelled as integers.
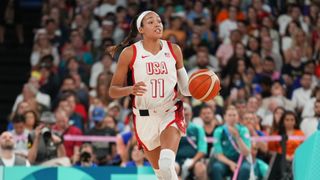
{"x": 140, "y": 30}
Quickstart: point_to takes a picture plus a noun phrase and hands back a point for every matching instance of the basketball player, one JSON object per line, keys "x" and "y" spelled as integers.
{"x": 151, "y": 71}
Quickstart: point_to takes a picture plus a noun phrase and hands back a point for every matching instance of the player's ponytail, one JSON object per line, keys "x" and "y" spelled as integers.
{"x": 115, "y": 51}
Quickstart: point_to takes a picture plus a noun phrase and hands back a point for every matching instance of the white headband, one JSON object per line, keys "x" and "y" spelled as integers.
{"x": 141, "y": 16}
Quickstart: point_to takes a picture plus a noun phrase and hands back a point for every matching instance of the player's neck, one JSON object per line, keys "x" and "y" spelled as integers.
{"x": 152, "y": 46}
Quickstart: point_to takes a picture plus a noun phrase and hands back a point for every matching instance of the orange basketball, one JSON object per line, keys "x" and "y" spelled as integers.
{"x": 204, "y": 85}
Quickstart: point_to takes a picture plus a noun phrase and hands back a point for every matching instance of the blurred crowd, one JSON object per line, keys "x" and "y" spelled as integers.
{"x": 265, "y": 52}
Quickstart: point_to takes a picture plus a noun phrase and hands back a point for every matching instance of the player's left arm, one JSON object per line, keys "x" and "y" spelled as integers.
{"x": 183, "y": 79}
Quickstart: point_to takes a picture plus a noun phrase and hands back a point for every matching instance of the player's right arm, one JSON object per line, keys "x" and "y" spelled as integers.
{"x": 117, "y": 88}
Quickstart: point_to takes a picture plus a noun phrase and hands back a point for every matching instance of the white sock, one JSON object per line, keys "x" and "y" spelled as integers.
{"x": 166, "y": 164}
{"x": 158, "y": 174}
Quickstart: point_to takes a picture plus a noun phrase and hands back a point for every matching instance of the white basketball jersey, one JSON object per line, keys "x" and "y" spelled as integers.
{"x": 158, "y": 72}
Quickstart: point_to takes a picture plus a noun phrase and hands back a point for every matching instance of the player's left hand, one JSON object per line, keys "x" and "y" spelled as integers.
{"x": 139, "y": 88}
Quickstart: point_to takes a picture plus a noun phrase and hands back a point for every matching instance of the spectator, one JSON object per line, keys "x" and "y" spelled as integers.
{"x": 260, "y": 167}
{"x": 192, "y": 149}
{"x": 175, "y": 29}
{"x": 287, "y": 127}
{"x": 49, "y": 80}
{"x": 137, "y": 158}
{"x": 198, "y": 12}
{"x": 228, "y": 25}
{"x": 287, "y": 38}
{"x": 100, "y": 91}
{"x": 80, "y": 25}
{"x": 43, "y": 47}
{"x": 7, "y": 155}
{"x": 74, "y": 68}
{"x": 232, "y": 139}
{"x": 252, "y": 122}
{"x": 202, "y": 62}
{"x": 261, "y": 8}
{"x": 224, "y": 14}
{"x": 102, "y": 149}
{"x": 45, "y": 145}
{"x": 294, "y": 14}
{"x": 69, "y": 85}
{"x": 316, "y": 34}
{"x": 256, "y": 63}
{"x": 308, "y": 109}
{"x": 111, "y": 123}
{"x": 121, "y": 18}
{"x": 31, "y": 120}
{"x": 108, "y": 30}
{"x": 303, "y": 94}
{"x": 268, "y": 22}
{"x": 105, "y": 7}
{"x": 267, "y": 50}
{"x": 252, "y": 19}
{"x": 208, "y": 122}
{"x": 21, "y": 136}
{"x": 21, "y": 109}
{"x": 115, "y": 110}
{"x": 192, "y": 46}
{"x": 269, "y": 70}
{"x": 253, "y": 46}
{"x": 33, "y": 87}
{"x": 53, "y": 33}
{"x": 80, "y": 47}
{"x": 30, "y": 93}
{"x": 105, "y": 65}
{"x": 225, "y": 50}
{"x": 62, "y": 127}
{"x": 293, "y": 69}
{"x": 273, "y": 121}
{"x": 85, "y": 156}
{"x": 213, "y": 61}
{"x": 77, "y": 108}
{"x": 310, "y": 124}
{"x": 309, "y": 67}
{"x": 301, "y": 41}
{"x": 278, "y": 98}
{"x": 200, "y": 27}
{"x": 253, "y": 105}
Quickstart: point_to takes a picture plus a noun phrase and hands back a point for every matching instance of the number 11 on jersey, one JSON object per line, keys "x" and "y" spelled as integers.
{"x": 157, "y": 88}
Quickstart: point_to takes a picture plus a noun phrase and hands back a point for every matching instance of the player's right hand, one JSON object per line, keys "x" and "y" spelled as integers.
{"x": 139, "y": 88}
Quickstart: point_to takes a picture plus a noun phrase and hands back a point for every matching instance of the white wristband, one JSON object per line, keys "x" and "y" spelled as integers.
{"x": 183, "y": 82}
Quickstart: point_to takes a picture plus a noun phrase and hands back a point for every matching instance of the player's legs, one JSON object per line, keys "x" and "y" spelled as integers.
{"x": 153, "y": 157}
{"x": 169, "y": 139}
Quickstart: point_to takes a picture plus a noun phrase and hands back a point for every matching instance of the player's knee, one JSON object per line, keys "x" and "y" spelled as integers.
{"x": 166, "y": 160}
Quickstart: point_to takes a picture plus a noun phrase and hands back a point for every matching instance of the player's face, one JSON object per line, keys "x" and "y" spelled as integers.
{"x": 152, "y": 26}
